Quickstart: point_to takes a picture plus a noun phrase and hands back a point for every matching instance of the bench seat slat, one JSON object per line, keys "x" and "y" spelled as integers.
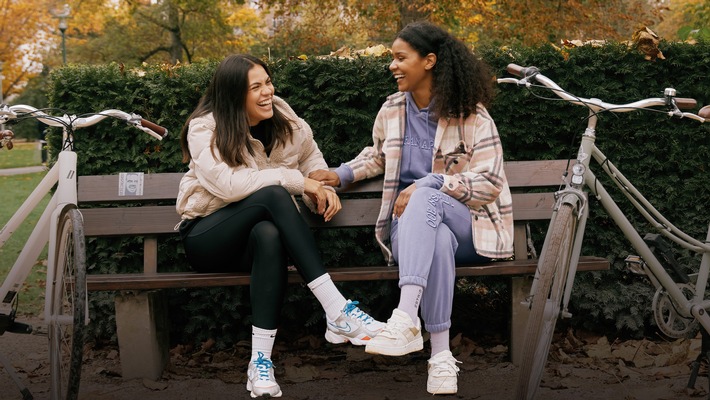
{"x": 164, "y": 280}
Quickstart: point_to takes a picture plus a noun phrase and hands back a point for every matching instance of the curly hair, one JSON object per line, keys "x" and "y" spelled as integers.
{"x": 461, "y": 80}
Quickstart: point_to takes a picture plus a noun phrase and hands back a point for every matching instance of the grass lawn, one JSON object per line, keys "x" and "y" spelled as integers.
{"x": 23, "y": 154}
{"x": 13, "y": 191}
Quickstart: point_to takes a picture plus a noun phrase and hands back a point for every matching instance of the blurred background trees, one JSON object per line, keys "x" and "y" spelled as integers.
{"x": 132, "y": 32}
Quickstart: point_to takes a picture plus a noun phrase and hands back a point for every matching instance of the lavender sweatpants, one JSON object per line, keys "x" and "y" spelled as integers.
{"x": 431, "y": 236}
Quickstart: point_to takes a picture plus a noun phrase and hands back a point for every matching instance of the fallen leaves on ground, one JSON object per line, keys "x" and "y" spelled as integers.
{"x": 573, "y": 357}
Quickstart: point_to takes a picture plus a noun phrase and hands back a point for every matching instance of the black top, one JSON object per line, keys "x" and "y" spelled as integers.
{"x": 259, "y": 133}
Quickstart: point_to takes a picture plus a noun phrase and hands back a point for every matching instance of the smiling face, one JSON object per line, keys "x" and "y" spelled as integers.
{"x": 412, "y": 71}
{"x": 132, "y": 183}
{"x": 259, "y": 96}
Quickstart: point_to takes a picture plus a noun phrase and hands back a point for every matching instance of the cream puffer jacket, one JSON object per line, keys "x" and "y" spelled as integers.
{"x": 210, "y": 184}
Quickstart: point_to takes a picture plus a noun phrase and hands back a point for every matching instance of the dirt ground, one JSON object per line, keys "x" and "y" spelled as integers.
{"x": 580, "y": 367}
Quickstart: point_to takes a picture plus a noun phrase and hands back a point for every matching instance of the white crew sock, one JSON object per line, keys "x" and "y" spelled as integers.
{"x": 409, "y": 298}
{"x": 262, "y": 341}
{"x": 439, "y": 342}
{"x": 328, "y": 295}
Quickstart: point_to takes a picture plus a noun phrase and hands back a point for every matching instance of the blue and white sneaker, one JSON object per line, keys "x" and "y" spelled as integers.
{"x": 260, "y": 378}
{"x": 353, "y": 325}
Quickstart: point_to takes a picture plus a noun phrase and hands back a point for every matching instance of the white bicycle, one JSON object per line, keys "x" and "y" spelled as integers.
{"x": 60, "y": 226}
{"x": 680, "y": 304}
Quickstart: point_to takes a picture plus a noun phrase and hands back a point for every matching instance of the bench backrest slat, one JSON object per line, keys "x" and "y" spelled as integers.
{"x": 157, "y": 219}
{"x": 104, "y": 188}
{"x": 164, "y": 186}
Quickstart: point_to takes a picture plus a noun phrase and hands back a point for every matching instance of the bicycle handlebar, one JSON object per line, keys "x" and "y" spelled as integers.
{"x": 675, "y": 104}
{"x": 74, "y": 122}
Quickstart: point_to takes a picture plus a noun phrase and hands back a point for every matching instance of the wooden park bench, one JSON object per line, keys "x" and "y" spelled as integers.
{"x": 141, "y": 315}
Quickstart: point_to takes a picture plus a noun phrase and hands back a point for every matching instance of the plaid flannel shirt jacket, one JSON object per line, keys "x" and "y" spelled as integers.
{"x": 467, "y": 151}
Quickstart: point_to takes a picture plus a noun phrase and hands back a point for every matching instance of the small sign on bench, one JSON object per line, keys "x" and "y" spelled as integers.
{"x": 130, "y": 184}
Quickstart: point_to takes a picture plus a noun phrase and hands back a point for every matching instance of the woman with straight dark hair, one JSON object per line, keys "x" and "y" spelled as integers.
{"x": 249, "y": 153}
{"x": 446, "y": 198}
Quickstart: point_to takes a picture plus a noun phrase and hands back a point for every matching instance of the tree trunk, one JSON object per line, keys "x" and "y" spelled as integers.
{"x": 409, "y": 12}
{"x": 176, "y": 44}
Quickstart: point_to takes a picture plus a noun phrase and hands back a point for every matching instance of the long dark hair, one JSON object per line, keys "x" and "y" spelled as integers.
{"x": 225, "y": 99}
{"x": 461, "y": 80}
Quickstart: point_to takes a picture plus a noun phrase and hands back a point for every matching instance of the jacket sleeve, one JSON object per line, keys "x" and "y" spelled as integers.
{"x": 371, "y": 160}
{"x": 233, "y": 184}
{"x": 484, "y": 178}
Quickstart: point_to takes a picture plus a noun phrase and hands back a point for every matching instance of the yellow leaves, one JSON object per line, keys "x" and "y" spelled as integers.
{"x": 374, "y": 51}
{"x": 578, "y": 43}
{"x": 21, "y": 21}
{"x": 248, "y": 28}
{"x": 646, "y": 41}
{"x": 570, "y": 44}
{"x": 377, "y": 51}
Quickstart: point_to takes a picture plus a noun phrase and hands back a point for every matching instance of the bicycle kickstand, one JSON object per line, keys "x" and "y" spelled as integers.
{"x": 704, "y": 355}
{"x": 26, "y": 395}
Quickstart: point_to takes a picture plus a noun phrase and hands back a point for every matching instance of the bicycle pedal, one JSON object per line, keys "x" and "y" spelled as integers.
{"x": 635, "y": 264}
{"x": 40, "y": 330}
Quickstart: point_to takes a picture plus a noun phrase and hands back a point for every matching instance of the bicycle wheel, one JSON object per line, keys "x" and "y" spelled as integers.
{"x": 553, "y": 267}
{"x": 66, "y": 325}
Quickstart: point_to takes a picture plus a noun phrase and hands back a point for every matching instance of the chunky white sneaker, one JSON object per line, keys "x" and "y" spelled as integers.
{"x": 260, "y": 378}
{"x": 399, "y": 337}
{"x": 353, "y": 325}
{"x": 443, "y": 374}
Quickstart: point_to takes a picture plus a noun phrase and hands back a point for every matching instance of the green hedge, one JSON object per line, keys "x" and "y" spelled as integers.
{"x": 340, "y": 98}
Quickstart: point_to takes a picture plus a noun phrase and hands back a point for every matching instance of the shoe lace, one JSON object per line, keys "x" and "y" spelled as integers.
{"x": 446, "y": 364}
{"x": 263, "y": 367}
{"x": 352, "y": 310}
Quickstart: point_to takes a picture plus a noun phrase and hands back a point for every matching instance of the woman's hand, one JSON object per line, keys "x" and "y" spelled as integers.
{"x": 326, "y": 177}
{"x": 402, "y": 200}
{"x": 333, "y": 205}
{"x": 314, "y": 189}
{"x": 327, "y": 201}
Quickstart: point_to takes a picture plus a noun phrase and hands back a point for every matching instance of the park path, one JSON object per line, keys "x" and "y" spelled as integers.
{"x": 22, "y": 170}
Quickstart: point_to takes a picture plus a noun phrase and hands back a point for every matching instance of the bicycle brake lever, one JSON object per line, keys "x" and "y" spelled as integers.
{"x": 528, "y": 74}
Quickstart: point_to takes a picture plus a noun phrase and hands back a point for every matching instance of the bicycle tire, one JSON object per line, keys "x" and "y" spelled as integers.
{"x": 66, "y": 326}
{"x": 553, "y": 267}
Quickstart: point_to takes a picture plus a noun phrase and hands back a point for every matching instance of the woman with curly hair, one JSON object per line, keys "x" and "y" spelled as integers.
{"x": 445, "y": 199}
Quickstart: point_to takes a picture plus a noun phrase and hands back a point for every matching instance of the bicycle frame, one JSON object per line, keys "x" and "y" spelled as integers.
{"x": 687, "y": 307}
{"x": 62, "y": 174}
{"x": 572, "y": 195}
{"x": 60, "y": 225}
{"x": 677, "y": 312}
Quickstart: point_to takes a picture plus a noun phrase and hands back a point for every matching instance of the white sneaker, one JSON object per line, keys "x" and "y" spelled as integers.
{"x": 260, "y": 378}
{"x": 399, "y": 337}
{"x": 443, "y": 374}
{"x": 353, "y": 325}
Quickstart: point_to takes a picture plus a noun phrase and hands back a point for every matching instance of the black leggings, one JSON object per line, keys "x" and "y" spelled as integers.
{"x": 257, "y": 233}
